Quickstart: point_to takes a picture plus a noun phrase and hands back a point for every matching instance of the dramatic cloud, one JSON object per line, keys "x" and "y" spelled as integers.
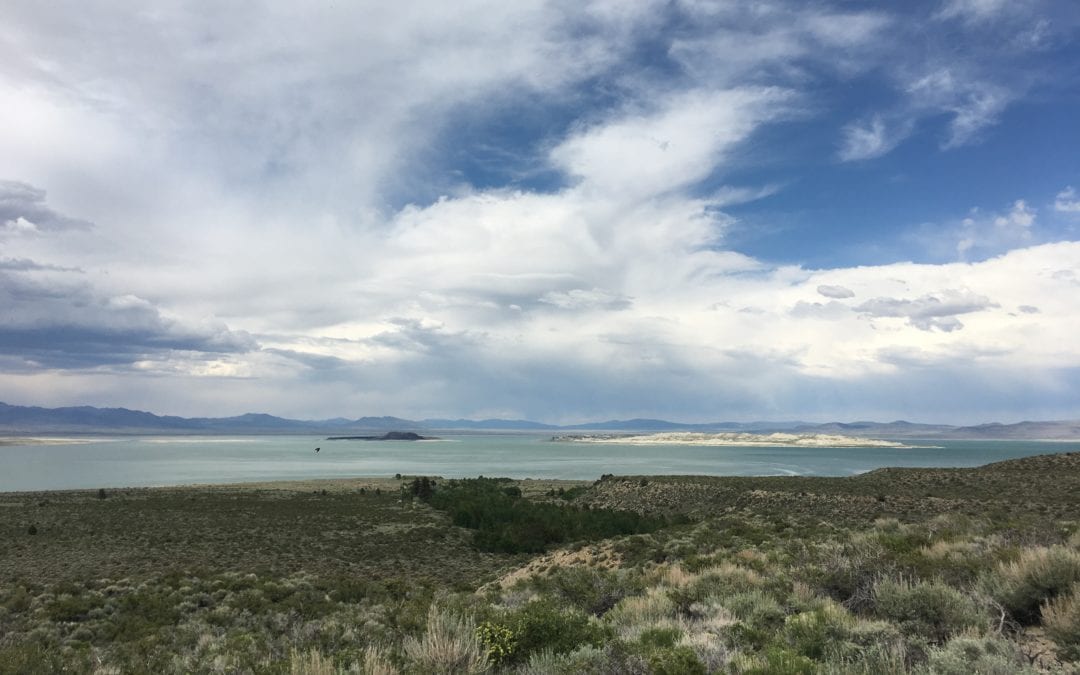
{"x": 54, "y": 321}
{"x": 23, "y": 209}
{"x": 531, "y": 209}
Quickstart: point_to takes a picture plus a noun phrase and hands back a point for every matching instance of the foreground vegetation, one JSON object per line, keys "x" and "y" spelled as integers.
{"x": 895, "y": 571}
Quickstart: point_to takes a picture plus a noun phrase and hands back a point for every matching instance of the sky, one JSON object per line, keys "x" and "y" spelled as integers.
{"x": 562, "y": 211}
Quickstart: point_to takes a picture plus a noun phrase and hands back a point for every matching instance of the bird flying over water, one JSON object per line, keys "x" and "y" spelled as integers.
{"x": 317, "y": 449}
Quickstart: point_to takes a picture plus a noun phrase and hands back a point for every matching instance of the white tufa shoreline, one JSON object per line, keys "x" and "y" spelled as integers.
{"x": 740, "y": 439}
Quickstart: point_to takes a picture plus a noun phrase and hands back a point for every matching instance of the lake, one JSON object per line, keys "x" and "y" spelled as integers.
{"x": 157, "y": 461}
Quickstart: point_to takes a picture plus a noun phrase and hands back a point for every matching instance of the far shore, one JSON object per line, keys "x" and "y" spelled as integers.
{"x": 529, "y": 486}
{"x": 783, "y": 440}
{"x": 44, "y": 440}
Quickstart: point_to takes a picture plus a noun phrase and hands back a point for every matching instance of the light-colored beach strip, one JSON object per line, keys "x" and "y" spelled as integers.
{"x": 739, "y": 439}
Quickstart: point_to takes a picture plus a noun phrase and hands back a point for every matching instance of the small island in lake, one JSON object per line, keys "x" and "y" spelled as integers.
{"x": 388, "y": 436}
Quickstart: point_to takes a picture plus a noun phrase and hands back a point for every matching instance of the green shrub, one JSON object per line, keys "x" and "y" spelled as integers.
{"x": 1061, "y": 619}
{"x": 756, "y": 608}
{"x": 584, "y": 659}
{"x": 36, "y": 659}
{"x": 987, "y": 655}
{"x": 19, "y": 600}
{"x": 1040, "y": 574}
{"x": 774, "y": 661}
{"x": 592, "y": 590}
{"x": 542, "y": 625}
{"x": 930, "y": 609}
{"x": 544, "y": 662}
{"x": 889, "y": 658}
{"x": 815, "y": 633}
{"x": 959, "y": 561}
{"x": 679, "y": 660}
{"x": 498, "y": 640}
{"x": 70, "y": 608}
{"x": 536, "y": 627}
{"x": 659, "y": 638}
{"x": 848, "y": 570}
{"x": 719, "y": 580}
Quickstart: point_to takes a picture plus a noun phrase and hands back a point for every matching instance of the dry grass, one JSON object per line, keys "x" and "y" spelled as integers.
{"x": 449, "y": 645}
{"x": 1061, "y": 620}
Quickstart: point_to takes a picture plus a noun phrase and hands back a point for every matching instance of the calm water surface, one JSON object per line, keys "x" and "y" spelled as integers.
{"x": 149, "y": 461}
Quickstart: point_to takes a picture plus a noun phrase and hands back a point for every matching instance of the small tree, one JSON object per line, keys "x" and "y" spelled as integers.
{"x": 423, "y": 488}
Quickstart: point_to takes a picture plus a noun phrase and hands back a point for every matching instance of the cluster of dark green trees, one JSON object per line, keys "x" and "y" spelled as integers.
{"x": 508, "y": 523}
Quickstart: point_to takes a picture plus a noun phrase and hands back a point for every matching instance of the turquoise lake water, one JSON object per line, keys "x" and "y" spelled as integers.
{"x": 151, "y": 461}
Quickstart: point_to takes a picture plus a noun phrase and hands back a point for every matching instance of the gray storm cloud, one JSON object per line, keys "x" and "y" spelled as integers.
{"x": 22, "y": 206}
{"x": 837, "y": 292}
{"x": 55, "y": 321}
{"x": 929, "y": 311}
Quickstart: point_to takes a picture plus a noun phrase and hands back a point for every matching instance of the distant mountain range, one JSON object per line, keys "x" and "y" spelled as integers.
{"x": 86, "y": 419}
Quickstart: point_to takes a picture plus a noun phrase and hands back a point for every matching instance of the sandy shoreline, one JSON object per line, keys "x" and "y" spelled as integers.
{"x": 781, "y": 440}
{"x": 45, "y": 440}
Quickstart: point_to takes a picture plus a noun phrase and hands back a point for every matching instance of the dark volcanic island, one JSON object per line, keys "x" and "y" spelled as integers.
{"x": 388, "y": 436}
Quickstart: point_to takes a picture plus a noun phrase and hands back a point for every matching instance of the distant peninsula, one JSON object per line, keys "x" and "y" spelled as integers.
{"x": 741, "y": 439}
{"x": 388, "y": 436}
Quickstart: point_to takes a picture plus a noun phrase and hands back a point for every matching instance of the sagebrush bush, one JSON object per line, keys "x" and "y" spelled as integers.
{"x": 931, "y": 609}
{"x": 725, "y": 579}
{"x": 985, "y": 655}
{"x": 1039, "y": 575}
{"x": 828, "y": 633}
{"x": 889, "y": 658}
{"x": 711, "y": 582}
{"x": 675, "y": 660}
{"x": 544, "y": 662}
{"x": 774, "y": 661}
{"x": 817, "y": 632}
{"x": 515, "y": 635}
{"x": 756, "y": 608}
{"x": 584, "y": 659}
{"x": 847, "y": 570}
{"x": 1061, "y": 619}
{"x": 708, "y": 647}
{"x": 592, "y": 590}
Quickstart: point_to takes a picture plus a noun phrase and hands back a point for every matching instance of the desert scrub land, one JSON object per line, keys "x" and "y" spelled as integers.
{"x": 894, "y": 571}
